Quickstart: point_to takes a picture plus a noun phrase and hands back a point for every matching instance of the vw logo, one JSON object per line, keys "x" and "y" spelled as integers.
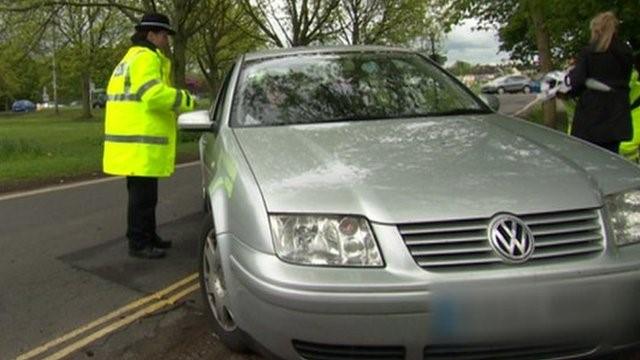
{"x": 511, "y": 238}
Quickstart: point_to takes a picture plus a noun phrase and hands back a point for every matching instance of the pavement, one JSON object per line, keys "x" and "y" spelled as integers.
{"x": 511, "y": 103}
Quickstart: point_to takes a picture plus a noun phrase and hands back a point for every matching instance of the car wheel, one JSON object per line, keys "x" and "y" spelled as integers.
{"x": 500, "y": 90}
{"x": 214, "y": 290}
{"x": 526, "y": 90}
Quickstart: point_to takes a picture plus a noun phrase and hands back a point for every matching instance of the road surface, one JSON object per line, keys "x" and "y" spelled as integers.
{"x": 64, "y": 265}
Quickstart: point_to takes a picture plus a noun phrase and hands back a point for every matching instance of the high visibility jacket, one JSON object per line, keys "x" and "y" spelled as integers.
{"x": 140, "y": 122}
{"x": 629, "y": 149}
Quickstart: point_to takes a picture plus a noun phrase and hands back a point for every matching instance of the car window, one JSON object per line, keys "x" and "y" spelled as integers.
{"x": 345, "y": 86}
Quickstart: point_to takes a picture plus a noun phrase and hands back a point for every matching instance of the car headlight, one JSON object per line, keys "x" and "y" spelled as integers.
{"x": 624, "y": 211}
{"x": 330, "y": 240}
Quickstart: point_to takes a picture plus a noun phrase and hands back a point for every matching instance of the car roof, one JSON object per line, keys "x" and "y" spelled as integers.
{"x": 295, "y": 51}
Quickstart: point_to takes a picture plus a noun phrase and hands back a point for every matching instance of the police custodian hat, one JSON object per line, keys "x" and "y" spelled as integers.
{"x": 155, "y": 22}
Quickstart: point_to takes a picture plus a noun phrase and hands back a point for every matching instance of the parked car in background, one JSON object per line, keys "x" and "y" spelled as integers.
{"x": 49, "y": 105}
{"x": 536, "y": 86}
{"x": 363, "y": 204}
{"x": 23, "y": 106}
{"x": 508, "y": 84}
{"x": 99, "y": 99}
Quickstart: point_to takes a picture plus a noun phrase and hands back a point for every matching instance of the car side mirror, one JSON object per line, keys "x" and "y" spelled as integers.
{"x": 195, "y": 121}
{"x": 491, "y": 100}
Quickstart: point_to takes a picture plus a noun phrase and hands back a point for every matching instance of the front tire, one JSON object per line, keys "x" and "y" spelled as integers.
{"x": 214, "y": 291}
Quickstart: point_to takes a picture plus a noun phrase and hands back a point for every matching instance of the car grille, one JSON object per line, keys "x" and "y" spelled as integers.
{"x": 568, "y": 234}
{"x": 311, "y": 351}
{"x": 462, "y": 352}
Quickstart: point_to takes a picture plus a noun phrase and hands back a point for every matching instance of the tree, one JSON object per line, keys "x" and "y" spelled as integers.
{"x": 383, "y": 21}
{"x": 23, "y": 68}
{"x": 460, "y": 68}
{"x": 292, "y": 22}
{"x": 186, "y": 16}
{"x": 88, "y": 32}
{"x": 217, "y": 45}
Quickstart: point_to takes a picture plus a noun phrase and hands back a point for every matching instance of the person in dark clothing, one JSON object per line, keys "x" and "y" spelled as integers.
{"x": 603, "y": 117}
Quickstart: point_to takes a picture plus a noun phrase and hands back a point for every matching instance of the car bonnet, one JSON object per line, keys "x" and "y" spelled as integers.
{"x": 410, "y": 170}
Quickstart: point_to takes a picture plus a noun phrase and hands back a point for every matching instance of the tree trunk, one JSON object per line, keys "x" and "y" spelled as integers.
{"x": 179, "y": 60}
{"x": 543, "y": 43}
{"x": 356, "y": 25}
{"x": 86, "y": 98}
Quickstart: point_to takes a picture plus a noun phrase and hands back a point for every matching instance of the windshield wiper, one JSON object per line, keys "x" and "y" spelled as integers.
{"x": 382, "y": 117}
{"x": 461, "y": 112}
{"x": 358, "y": 118}
{"x": 453, "y": 112}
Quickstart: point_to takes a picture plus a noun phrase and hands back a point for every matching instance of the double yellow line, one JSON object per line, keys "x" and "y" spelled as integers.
{"x": 144, "y": 306}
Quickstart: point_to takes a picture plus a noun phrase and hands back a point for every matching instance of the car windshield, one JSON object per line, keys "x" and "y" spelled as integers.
{"x": 346, "y": 87}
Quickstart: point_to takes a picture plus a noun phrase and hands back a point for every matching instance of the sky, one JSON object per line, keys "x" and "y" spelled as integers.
{"x": 472, "y": 46}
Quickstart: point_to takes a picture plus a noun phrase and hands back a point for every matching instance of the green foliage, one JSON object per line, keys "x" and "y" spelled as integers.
{"x": 383, "y": 22}
{"x": 218, "y": 44}
{"x": 460, "y": 68}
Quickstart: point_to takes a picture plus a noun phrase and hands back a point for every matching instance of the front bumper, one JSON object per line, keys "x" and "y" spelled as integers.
{"x": 574, "y": 313}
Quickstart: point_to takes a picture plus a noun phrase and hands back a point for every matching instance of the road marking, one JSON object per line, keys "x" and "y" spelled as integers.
{"x": 114, "y": 314}
{"x": 125, "y": 321}
{"x": 76, "y": 184}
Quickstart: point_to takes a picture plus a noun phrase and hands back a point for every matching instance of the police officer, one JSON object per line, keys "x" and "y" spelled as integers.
{"x": 629, "y": 149}
{"x": 140, "y": 129}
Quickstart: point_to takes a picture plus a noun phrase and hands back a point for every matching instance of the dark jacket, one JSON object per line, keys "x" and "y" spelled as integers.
{"x": 603, "y": 117}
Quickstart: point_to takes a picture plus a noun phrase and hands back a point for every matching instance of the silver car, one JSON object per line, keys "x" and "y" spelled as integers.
{"x": 510, "y": 84}
{"x": 363, "y": 204}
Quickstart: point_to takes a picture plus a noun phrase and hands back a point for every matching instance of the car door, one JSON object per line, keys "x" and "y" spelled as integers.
{"x": 520, "y": 83}
{"x": 510, "y": 84}
{"x": 208, "y": 139}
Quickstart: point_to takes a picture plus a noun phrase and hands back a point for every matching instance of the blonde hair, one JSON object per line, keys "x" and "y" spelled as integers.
{"x": 603, "y": 27}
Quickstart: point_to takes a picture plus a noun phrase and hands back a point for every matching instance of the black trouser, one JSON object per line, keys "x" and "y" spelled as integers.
{"x": 611, "y": 146}
{"x": 141, "y": 212}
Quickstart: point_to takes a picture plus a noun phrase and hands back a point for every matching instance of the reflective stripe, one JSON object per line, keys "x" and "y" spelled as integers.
{"x": 123, "y": 97}
{"x": 134, "y": 97}
{"x": 176, "y": 104}
{"x": 142, "y": 139}
{"x": 146, "y": 86}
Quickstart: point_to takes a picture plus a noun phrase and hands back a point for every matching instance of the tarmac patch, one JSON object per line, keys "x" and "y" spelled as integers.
{"x": 110, "y": 260}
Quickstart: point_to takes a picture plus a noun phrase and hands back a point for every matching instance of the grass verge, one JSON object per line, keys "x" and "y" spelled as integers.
{"x": 536, "y": 115}
{"x": 44, "y": 148}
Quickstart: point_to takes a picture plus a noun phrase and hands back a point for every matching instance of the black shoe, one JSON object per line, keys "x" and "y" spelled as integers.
{"x": 148, "y": 252}
{"x": 161, "y": 244}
